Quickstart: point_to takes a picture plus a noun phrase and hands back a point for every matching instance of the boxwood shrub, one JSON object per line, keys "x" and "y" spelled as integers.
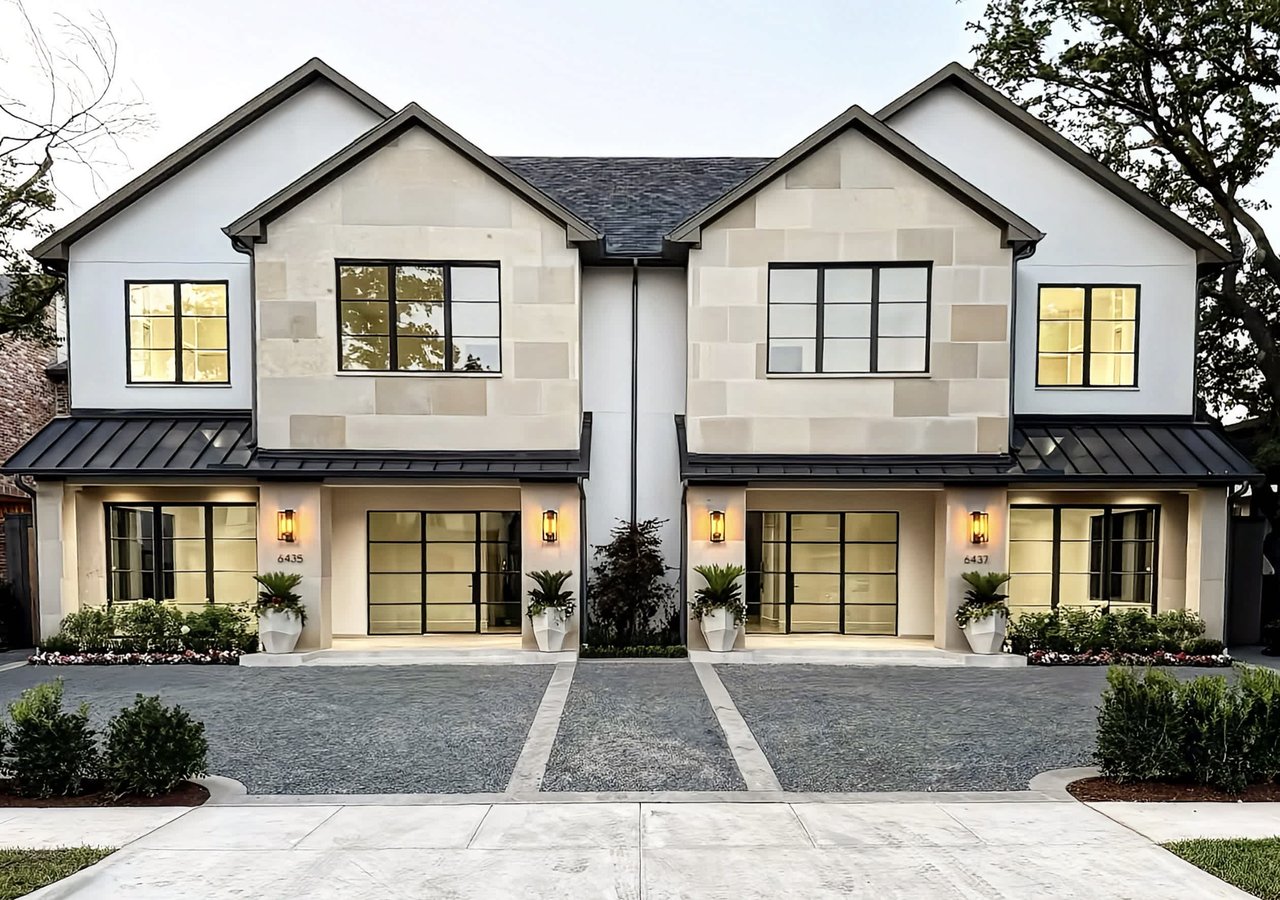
{"x": 150, "y": 749}
{"x": 1073, "y": 630}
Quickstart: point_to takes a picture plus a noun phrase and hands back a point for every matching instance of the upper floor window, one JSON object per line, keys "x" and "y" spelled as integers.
{"x": 1088, "y": 336}
{"x": 418, "y": 317}
{"x": 178, "y": 332}
{"x": 849, "y": 318}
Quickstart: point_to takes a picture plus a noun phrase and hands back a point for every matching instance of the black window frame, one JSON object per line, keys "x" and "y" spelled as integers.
{"x": 1088, "y": 288}
{"x": 1106, "y": 575}
{"x": 156, "y": 572}
{"x": 874, "y": 333}
{"x": 515, "y": 573}
{"x": 176, "y": 284}
{"x": 392, "y": 264}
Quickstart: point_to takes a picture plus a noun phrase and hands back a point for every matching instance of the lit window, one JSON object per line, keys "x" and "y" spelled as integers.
{"x": 849, "y": 318}
{"x": 1088, "y": 336}
{"x": 178, "y": 332}
{"x": 419, "y": 317}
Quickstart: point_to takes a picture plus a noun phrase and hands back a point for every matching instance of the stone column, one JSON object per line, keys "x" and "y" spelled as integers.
{"x": 700, "y": 500}
{"x": 1208, "y": 519}
{"x": 565, "y": 555}
{"x": 57, "y": 587}
{"x": 308, "y": 555}
{"x": 956, "y": 554}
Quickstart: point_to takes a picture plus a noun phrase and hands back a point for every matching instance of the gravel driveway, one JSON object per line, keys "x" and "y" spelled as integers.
{"x": 339, "y": 730}
{"x": 639, "y": 726}
{"x": 848, "y": 728}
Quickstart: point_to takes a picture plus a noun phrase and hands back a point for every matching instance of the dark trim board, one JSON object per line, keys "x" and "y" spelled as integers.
{"x": 1208, "y": 251}
{"x": 54, "y": 251}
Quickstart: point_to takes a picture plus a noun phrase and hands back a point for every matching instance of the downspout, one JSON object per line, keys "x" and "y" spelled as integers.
{"x": 583, "y": 605}
{"x": 1019, "y": 254}
{"x": 635, "y": 381}
{"x": 246, "y": 249}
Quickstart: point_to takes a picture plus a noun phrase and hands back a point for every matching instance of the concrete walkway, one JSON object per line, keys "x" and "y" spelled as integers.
{"x": 924, "y": 847}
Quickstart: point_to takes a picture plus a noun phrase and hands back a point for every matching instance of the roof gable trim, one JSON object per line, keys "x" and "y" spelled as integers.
{"x": 54, "y": 250}
{"x": 1014, "y": 228}
{"x": 1207, "y": 249}
{"x": 252, "y": 226}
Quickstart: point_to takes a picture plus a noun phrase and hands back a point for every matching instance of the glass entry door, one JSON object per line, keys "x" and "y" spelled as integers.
{"x": 826, "y": 572}
{"x": 435, "y": 572}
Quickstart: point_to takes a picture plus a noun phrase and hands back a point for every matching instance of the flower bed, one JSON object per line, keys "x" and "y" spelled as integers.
{"x": 1116, "y": 658}
{"x": 178, "y": 658}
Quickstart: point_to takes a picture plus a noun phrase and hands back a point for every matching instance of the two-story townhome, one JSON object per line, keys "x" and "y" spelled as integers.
{"x": 332, "y": 338}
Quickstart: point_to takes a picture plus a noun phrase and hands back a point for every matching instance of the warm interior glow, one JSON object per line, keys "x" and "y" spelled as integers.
{"x": 549, "y": 526}
{"x": 979, "y": 527}
{"x": 717, "y": 525}
{"x": 285, "y": 526}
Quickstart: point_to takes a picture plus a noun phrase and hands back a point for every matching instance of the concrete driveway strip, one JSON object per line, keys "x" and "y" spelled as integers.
{"x": 969, "y": 851}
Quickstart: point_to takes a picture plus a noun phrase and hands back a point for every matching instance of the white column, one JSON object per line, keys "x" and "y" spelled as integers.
{"x": 956, "y": 554}
{"x": 56, "y": 580}
{"x": 700, "y": 501}
{"x": 1208, "y": 519}
{"x": 308, "y": 555}
{"x": 562, "y": 555}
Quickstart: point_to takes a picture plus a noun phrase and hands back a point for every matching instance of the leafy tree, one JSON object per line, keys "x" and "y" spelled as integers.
{"x": 74, "y": 117}
{"x": 1180, "y": 97}
{"x": 630, "y": 597}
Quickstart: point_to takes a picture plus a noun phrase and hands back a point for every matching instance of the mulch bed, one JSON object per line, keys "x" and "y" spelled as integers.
{"x": 187, "y": 794}
{"x": 1090, "y": 790}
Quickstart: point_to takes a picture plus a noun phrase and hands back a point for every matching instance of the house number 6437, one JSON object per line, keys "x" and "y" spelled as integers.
{"x": 289, "y": 558}
{"x": 979, "y": 560}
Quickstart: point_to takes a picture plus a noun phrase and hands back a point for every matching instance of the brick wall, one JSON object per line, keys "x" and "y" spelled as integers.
{"x": 28, "y": 398}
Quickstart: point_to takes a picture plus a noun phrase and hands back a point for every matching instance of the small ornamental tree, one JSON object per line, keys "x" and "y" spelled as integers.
{"x": 630, "y": 597}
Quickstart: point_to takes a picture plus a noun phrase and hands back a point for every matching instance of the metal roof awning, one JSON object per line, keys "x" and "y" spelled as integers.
{"x": 157, "y": 444}
{"x": 1082, "y": 449}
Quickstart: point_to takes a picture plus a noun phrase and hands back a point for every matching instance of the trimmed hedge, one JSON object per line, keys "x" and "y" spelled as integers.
{"x": 1202, "y": 731}
{"x": 643, "y": 651}
{"x": 145, "y": 631}
{"x": 1089, "y": 633}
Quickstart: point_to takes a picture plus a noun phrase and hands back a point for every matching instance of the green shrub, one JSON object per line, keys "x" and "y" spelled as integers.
{"x": 276, "y": 594}
{"x": 51, "y": 752}
{"x": 149, "y": 627}
{"x": 59, "y": 643}
{"x": 90, "y": 630}
{"x": 1141, "y": 727}
{"x": 1076, "y": 630}
{"x": 150, "y": 749}
{"x": 1260, "y": 688}
{"x": 550, "y": 593}
{"x": 1176, "y": 627}
{"x": 1219, "y": 734}
{"x": 1203, "y": 646}
{"x": 638, "y": 651}
{"x": 220, "y": 628}
{"x": 722, "y": 590}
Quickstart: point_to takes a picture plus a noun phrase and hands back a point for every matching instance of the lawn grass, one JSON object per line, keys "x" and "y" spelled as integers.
{"x": 1251, "y": 865}
{"x": 23, "y": 871}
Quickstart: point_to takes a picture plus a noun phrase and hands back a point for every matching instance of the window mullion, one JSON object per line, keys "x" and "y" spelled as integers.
{"x": 448, "y": 318}
{"x": 874, "y": 333}
{"x": 819, "y": 332}
{"x": 842, "y": 568}
{"x": 1055, "y": 588}
{"x": 177, "y": 332}
{"x": 393, "y": 358}
{"x": 208, "y": 553}
{"x": 1088, "y": 337}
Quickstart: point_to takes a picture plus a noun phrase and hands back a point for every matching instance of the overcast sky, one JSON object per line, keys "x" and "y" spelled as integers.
{"x": 660, "y": 78}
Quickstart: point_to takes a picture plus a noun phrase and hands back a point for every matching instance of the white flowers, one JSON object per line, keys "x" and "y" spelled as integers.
{"x": 186, "y": 629}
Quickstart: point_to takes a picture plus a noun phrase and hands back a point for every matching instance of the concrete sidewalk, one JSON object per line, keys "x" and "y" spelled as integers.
{"x": 925, "y": 848}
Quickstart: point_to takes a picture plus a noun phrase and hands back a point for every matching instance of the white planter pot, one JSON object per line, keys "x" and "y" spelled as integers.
{"x": 720, "y": 630}
{"x": 549, "y": 627}
{"x": 279, "y": 631}
{"x": 986, "y": 635}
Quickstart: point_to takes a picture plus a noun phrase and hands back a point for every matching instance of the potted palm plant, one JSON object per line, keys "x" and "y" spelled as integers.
{"x": 281, "y": 614}
{"x": 550, "y": 608}
{"x": 984, "y": 616}
{"x": 718, "y": 606}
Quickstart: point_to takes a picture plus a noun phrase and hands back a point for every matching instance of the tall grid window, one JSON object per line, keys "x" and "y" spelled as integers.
{"x": 1082, "y": 556}
{"x": 1088, "y": 336}
{"x": 178, "y": 332}
{"x": 823, "y": 572}
{"x": 191, "y": 554}
{"x": 849, "y": 318}
{"x": 444, "y": 572}
{"x": 419, "y": 317}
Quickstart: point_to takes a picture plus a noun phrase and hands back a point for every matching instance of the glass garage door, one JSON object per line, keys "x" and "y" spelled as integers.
{"x": 435, "y": 572}
{"x": 824, "y": 572}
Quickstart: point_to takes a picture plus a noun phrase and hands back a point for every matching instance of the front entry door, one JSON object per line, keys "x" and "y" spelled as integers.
{"x": 823, "y": 572}
{"x": 432, "y": 572}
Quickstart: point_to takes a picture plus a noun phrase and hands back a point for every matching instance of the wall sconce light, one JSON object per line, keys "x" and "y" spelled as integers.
{"x": 979, "y": 527}
{"x": 285, "y": 526}
{"x": 717, "y": 526}
{"x": 550, "y": 530}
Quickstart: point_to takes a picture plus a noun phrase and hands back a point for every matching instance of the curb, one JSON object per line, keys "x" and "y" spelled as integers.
{"x": 1055, "y": 781}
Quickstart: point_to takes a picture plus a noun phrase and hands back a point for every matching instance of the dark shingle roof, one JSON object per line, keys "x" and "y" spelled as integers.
{"x": 634, "y": 200}
{"x": 1089, "y": 449}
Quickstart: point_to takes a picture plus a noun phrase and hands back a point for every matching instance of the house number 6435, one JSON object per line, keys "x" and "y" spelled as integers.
{"x": 289, "y": 558}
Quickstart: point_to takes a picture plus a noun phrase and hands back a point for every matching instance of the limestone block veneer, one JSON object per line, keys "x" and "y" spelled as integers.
{"x": 850, "y": 201}
{"x": 417, "y": 199}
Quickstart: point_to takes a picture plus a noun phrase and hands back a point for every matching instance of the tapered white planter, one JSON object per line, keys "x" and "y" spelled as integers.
{"x": 720, "y": 630}
{"x": 549, "y": 627}
{"x": 986, "y": 635}
{"x": 279, "y": 631}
